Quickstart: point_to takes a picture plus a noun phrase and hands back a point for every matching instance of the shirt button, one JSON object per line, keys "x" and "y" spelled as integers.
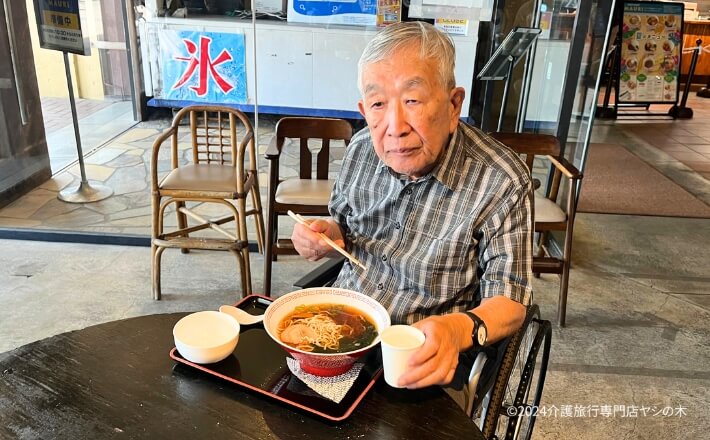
{"x": 408, "y": 191}
{"x": 384, "y": 258}
{"x": 380, "y": 286}
{"x": 397, "y": 225}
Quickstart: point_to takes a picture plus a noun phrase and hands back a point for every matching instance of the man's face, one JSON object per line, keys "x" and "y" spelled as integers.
{"x": 410, "y": 113}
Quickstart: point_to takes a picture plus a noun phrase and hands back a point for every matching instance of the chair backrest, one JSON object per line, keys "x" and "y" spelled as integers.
{"x": 219, "y": 135}
{"x": 529, "y": 145}
{"x": 325, "y": 129}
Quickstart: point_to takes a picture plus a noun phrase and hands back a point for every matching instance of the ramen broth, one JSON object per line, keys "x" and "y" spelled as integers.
{"x": 327, "y": 328}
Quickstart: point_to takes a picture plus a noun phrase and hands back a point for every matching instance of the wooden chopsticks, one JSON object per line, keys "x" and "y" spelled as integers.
{"x": 331, "y": 243}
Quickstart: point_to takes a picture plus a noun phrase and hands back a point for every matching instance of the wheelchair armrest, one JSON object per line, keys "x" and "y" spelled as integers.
{"x": 323, "y": 275}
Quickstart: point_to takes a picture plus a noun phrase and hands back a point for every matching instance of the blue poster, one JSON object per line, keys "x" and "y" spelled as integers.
{"x": 203, "y": 67}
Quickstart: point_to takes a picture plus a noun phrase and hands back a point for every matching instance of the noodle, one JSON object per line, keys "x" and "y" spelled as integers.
{"x": 322, "y": 328}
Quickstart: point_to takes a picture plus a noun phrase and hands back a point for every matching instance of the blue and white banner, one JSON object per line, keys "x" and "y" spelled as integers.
{"x": 352, "y": 12}
{"x": 203, "y": 67}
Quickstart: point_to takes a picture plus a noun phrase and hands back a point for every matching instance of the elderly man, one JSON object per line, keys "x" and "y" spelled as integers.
{"x": 437, "y": 211}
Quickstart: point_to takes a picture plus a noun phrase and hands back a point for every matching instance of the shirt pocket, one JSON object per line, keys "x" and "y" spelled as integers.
{"x": 444, "y": 266}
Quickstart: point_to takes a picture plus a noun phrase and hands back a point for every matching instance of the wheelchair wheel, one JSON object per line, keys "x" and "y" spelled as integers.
{"x": 518, "y": 387}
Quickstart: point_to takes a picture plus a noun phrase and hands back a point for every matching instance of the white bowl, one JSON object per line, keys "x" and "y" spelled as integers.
{"x": 206, "y": 337}
{"x": 324, "y": 364}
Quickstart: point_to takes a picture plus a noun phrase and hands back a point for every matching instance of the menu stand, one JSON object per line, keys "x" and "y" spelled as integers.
{"x": 500, "y": 65}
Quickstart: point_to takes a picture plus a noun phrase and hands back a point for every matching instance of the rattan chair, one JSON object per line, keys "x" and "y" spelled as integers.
{"x": 550, "y": 214}
{"x": 213, "y": 170}
{"x": 308, "y": 193}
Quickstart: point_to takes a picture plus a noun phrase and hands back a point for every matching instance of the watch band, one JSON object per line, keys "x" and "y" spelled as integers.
{"x": 477, "y": 322}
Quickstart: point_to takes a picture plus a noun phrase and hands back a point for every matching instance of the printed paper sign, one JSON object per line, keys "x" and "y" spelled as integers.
{"x": 452, "y": 26}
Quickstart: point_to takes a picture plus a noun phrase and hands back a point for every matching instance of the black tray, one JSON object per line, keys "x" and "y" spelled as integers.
{"x": 259, "y": 364}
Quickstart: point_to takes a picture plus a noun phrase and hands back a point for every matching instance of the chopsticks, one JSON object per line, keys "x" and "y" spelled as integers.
{"x": 325, "y": 238}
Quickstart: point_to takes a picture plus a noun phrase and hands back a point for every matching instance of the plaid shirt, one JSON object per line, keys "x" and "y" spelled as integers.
{"x": 441, "y": 243}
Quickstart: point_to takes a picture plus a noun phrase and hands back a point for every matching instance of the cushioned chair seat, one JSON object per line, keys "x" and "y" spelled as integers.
{"x": 217, "y": 178}
{"x": 304, "y": 191}
{"x": 547, "y": 211}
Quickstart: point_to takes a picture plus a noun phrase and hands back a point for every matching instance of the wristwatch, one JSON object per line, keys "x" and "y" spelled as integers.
{"x": 480, "y": 332}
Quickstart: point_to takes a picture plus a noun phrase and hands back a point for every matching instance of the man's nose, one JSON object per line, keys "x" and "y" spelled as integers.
{"x": 397, "y": 124}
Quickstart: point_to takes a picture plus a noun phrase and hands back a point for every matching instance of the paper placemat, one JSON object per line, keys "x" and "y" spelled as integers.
{"x": 334, "y": 387}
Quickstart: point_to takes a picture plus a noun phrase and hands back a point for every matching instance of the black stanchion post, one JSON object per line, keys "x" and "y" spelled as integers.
{"x": 683, "y": 112}
{"x": 705, "y": 91}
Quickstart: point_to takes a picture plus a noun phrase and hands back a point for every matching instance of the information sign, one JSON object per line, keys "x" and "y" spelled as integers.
{"x": 59, "y": 26}
{"x": 651, "y": 50}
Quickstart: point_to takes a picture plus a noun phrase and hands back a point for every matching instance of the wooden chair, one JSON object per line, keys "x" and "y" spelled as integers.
{"x": 549, "y": 213}
{"x": 308, "y": 193}
{"x": 215, "y": 172}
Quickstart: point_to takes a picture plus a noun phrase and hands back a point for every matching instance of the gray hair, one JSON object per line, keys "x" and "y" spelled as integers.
{"x": 433, "y": 44}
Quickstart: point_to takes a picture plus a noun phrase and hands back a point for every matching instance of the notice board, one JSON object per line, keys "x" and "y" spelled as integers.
{"x": 59, "y": 26}
{"x": 651, "y": 50}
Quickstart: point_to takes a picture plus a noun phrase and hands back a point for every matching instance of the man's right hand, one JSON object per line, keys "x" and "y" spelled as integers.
{"x": 310, "y": 245}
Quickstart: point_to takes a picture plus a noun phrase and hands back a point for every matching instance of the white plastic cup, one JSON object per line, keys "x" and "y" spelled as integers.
{"x": 398, "y": 342}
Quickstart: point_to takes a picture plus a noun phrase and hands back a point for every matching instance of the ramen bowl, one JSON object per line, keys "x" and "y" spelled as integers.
{"x": 206, "y": 337}
{"x": 325, "y": 364}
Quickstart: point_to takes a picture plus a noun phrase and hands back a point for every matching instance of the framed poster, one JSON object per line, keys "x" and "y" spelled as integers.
{"x": 651, "y": 48}
{"x": 59, "y": 26}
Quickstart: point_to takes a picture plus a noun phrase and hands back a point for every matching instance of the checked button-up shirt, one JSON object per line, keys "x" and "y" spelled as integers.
{"x": 440, "y": 243}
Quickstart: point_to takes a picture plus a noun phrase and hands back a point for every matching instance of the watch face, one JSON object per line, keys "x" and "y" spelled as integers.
{"x": 481, "y": 334}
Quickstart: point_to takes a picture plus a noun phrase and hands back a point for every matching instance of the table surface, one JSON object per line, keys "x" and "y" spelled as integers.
{"x": 117, "y": 380}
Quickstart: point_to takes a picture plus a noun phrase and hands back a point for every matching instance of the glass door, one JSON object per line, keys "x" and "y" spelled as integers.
{"x": 24, "y": 161}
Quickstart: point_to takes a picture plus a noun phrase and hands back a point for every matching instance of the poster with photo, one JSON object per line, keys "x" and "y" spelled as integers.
{"x": 651, "y": 48}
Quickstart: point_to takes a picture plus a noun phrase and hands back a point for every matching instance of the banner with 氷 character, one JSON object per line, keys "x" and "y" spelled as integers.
{"x": 205, "y": 67}
{"x": 651, "y": 47}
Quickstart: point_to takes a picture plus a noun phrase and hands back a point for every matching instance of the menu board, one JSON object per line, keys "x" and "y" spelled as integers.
{"x": 651, "y": 48}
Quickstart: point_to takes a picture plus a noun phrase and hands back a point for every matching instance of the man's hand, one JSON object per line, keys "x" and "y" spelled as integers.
{"x": 435, "y": 362}
{"x": 310, "y": 245}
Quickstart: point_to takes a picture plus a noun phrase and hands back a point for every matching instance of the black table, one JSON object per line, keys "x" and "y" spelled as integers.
{"x": 116, "y": 380}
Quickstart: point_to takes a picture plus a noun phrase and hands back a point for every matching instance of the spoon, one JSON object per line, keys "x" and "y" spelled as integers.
{"x": 242, "y": 317}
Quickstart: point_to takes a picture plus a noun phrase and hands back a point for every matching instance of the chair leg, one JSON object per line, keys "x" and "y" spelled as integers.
{"x": 269, "y": 253}
{"x": 540, "y": 251}
{"x": 181, "y": 221}
{"x": 245, "y": 283}
{"x": 242, "y": 235}
{"x": 258, "y": 218}
{"x": 154, "y": 261}
{"x": 157, "y": 254}
{"x": 564, "y": 279}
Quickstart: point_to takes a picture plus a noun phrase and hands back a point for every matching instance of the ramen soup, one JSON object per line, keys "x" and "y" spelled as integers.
{"x": 327, "y": 328}
{"x": 648, "y": 63}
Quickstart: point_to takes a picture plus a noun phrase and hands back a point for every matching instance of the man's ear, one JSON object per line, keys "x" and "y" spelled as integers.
{"x": 456, "y": 98}
{"x": 361, "y": 107}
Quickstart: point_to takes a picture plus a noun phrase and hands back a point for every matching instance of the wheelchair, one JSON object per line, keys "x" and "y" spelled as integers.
{"x": 506, "y": 406}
